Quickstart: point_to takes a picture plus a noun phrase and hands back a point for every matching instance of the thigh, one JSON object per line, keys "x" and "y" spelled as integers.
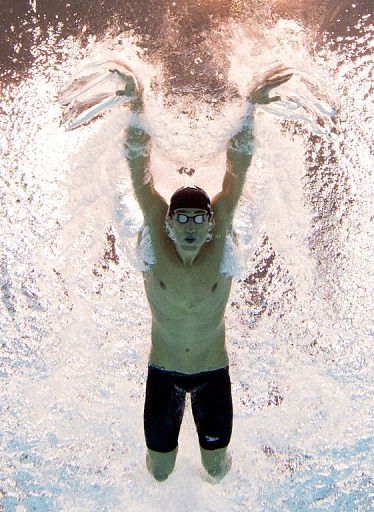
{"x": 212, "y": 410}
{"x": 163, "y": 411}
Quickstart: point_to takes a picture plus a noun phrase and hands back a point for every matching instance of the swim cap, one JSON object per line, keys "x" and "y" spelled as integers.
{"x": 190, "y": 197}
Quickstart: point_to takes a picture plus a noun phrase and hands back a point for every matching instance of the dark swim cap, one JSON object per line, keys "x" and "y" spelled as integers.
{"x": 190, "y": 197}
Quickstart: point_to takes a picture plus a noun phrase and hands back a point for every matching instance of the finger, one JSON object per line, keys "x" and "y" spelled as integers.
{"x": 276, "y": 71}
{"x": 266, "y": 101}
{"x": 270, "y": 87}
{"x": 273, "y": 98}
{"x": 284, "y": 78}
{"x": 274, "y": 82}
{"x": 129, "y": 80}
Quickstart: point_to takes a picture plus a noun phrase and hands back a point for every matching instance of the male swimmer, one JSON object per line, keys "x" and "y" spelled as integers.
{"x": 187, "y": 294}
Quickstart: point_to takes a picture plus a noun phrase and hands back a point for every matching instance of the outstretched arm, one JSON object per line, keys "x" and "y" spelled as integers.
{"x": 238, "y": 159}
{"x": 240, "y": 148}
{"x": 137, "y": 150}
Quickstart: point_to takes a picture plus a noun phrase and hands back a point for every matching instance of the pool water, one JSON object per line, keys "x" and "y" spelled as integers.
{"x": 75, "y": 324}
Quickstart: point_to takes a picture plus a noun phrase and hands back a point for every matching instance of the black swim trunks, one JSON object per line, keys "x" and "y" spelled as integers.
{"x": 164, "y": 407}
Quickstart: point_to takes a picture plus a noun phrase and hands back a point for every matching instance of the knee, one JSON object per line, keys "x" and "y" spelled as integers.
{"x": 161, "y": 465}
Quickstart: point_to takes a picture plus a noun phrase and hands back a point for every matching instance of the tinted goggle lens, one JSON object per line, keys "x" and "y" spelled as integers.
{"x": 198, "y": 219}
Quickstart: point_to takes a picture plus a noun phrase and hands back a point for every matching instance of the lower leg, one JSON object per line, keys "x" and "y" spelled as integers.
{"x": 216, "y": 462}
{"x": 160, "y": 464}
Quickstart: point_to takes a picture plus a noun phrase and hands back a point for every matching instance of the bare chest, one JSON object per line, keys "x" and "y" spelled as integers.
{"x": 189, "y": 288}
{"x": 189, "y": 291}
{"x": 176, "y": 288}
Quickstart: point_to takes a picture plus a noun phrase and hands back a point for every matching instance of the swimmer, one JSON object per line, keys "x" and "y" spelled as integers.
{"x": 187, "y": 294}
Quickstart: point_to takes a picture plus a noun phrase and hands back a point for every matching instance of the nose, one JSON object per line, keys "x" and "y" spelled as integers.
{"x": 190, "y": 226}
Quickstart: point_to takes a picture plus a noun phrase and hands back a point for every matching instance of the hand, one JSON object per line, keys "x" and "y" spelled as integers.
{"x": 131, "y": 86}
{"x": 261, "y": 94}
{"x": 132, "y": 90}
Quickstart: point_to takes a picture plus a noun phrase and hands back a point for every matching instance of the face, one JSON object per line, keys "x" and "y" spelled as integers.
{"x": 189, "y": 236}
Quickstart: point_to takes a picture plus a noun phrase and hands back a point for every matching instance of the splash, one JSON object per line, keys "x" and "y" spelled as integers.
{"x": 74, "y": 320}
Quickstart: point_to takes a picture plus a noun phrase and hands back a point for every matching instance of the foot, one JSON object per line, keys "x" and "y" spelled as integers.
{"x": 216, "y": 462}
{"x": 160, "y": 465}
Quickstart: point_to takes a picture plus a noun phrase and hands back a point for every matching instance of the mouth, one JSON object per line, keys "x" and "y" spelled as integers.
{"x": 189, "y": 240}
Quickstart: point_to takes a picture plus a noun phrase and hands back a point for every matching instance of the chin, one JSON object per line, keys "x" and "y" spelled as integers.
{"x": 190, "y": 247}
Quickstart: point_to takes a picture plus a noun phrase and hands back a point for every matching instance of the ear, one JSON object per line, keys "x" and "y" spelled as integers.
{"x": 209, "y": 235}
{"x": 169, "y": 229}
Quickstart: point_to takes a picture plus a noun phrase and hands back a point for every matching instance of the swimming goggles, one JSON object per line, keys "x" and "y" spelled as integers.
{"x": 182, "y": 218}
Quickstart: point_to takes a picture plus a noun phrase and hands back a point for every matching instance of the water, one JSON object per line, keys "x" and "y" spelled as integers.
{"x": 75, "y": 324}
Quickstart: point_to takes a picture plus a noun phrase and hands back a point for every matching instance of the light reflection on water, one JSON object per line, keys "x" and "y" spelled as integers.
{"x": 75, "y": 325}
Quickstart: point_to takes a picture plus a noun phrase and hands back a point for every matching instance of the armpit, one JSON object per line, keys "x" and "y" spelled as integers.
{"x": 145, "y": 250}
{"x": 230, "y": 265}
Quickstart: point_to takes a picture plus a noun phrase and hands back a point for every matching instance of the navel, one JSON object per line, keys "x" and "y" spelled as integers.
{"x": 214, "y": 288}
{"x": 163, "y": 285}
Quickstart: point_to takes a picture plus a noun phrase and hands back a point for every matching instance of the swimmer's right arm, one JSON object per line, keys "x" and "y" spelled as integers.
{"x": 137, "y": 151}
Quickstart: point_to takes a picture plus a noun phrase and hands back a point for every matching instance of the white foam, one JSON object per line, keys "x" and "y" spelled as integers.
{"x": 75, "y": 325}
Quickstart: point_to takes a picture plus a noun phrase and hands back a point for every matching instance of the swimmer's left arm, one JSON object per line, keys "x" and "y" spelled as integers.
{"x": 238, "y": 159}
{"x": 240, "y": 147}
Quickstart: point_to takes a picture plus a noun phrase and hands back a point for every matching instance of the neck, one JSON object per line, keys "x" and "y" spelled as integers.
{"x": 188, "y": 259}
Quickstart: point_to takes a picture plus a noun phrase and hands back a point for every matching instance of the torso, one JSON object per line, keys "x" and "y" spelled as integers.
{"x": 187, "y": 302}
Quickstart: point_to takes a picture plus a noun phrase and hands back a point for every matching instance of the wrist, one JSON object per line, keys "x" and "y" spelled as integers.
{"x": 137, "y": 104}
